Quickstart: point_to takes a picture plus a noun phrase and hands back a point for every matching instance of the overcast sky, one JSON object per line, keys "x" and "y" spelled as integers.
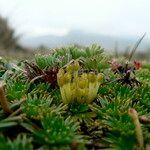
{"x": 58, "y": 17}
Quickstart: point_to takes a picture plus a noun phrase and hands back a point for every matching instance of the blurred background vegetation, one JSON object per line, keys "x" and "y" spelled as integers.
{"x": 9, "y": 42}
{"x": 10, "y": 46}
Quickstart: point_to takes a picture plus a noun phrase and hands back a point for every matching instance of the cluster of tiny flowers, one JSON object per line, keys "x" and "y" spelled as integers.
{"x": 81, "y": 88}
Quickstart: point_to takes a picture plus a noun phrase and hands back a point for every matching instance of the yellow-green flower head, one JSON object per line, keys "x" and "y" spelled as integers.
{"x": 84, "y": 76}
{"x": 61, "y": 72}
{"x": 91, "y": 77}
{"x": 99, "y": 77}
{"x": 83, "y": 81}
{"x": 67, "y": 77}
{"x": 60, "y": 77}
{"x": 60, "y": 82}
{"x": 82, "y": 84}
{"x": 74, "y": 87}
{"x": 69, "y": 68}
{"x": 76, "y": 66}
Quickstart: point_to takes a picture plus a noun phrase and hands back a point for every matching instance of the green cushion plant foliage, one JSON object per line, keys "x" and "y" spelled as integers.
{"x": 87, "y": 108}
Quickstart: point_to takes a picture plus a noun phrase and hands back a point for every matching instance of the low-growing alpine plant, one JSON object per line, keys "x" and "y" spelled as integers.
{"x": 75, "y": 99}
{"x": 76, "y": 86}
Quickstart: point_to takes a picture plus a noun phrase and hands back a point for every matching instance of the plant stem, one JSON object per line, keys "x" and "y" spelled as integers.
{"x": 134, "y": 115}
{"x": 3, "y": 100}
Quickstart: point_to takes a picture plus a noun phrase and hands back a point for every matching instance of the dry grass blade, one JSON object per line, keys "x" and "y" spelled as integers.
{"x": 126, "y": 52}
{"x": 116, "y": 50}
{"x": 136, "y": 46}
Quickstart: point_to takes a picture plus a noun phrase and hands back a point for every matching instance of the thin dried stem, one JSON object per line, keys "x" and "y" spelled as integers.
{"x": 3, "y": 100}
{"x": 136, "y": 46}
{"x": 139, "y": 135}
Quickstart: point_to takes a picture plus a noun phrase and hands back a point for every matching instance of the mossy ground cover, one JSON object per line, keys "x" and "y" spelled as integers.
{"x": 74, "y": 99}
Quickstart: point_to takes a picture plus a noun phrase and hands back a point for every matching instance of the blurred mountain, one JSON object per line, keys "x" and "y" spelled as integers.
{"x": 84, "y": 39}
